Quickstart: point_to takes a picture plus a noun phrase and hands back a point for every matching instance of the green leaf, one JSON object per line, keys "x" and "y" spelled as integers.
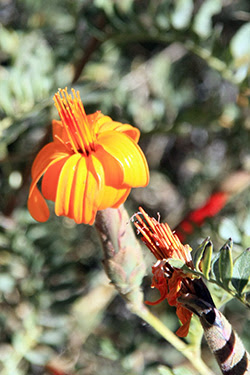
{"x": 203, "y": 20}
{"x": 182, "y": 371}
{"x": 241, "y": 271}
{"x": 52, "y": 337}
{"x": 177, "y": 263}
{"x": 39, "y": 356}
{"x": 229, "y": 229}
{"x": 182, "y": 14}
{"x": 239, "y": 46}
{"x": 9, "y": 40}
{"x": 226, "y": 263}
{"x": 246, "y": 225}
{"x": 7, "y": 283}
{"x": 163, "y": 370}
{"x": 106, "y": 5}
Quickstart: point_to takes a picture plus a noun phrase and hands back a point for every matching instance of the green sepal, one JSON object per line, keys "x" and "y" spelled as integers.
{"x": 215, "y": 267}
{"x": 197, "y": 254}
{"x": 241, "y": 271}
{"x": 226, "y": 263}
{"x": 206, "y": 259}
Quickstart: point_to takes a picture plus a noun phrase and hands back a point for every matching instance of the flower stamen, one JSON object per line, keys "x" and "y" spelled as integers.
{"x": 75, "y": 122}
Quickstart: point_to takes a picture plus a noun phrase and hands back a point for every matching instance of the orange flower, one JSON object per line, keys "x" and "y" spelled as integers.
{"x": 171, "y": 282}
{"x": 92, "y": 163}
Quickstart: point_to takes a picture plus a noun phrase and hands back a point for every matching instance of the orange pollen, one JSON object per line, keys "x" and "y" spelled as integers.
{"x": 161, "y": 241}
{"x": 74, "y": 119}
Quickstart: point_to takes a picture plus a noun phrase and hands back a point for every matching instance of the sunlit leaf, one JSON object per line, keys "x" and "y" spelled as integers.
{"x": 239, "y": 45}
{"x": 246, "y": 226}
{"x": 7, "y": 283}
{"x": 203, "y": 19}
{"x": 182, "y": 13}
{"x": 178, "y": 263}
{"x": 241, "y": 271}
{"x": 228, "y": 229}
{"x": 163, "y": 370}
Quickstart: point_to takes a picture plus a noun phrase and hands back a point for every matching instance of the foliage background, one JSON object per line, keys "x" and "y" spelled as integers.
{"x": 179, "y": 71}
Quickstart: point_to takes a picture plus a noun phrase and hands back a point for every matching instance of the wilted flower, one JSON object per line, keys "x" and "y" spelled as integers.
{"x": 170, "y": 280}
{"x": 92, "y": 163}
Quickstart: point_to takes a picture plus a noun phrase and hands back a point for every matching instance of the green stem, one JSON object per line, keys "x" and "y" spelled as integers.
{"x": 212, "y": 61}
{"x": 232, "y": 293}
{"x": 177, "y": 343}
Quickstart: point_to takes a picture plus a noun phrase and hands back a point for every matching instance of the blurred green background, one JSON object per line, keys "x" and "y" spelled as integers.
{"x": 177, "y": 70}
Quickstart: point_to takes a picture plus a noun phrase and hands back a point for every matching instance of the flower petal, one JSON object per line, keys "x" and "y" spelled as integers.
{"x": 174, "y": 285}
{"x": 50, "y": 179}
{"x": 48, "y": 153}
{"x": 94, "y": 189}
{"x": 65, "y": 185}
{"x": 129, "y": 155}
{"x": 80, "y": 188}
{"x": 58, "y": 131}
{"x": 185, "y": 317}
{"x": 87, "y": 190}
{"x": 46, "y": 157}
{"x": 159, "y": 281}
{"x": 105, "y": 123}
{"x": 113, "y": 197}
{"x": 37, "y": 206}
{"x": 113, "y": 170}
{"x": 130, "y": 131}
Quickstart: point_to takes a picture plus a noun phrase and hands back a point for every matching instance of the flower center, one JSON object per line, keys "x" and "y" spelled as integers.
{"x": 74, "y": 119}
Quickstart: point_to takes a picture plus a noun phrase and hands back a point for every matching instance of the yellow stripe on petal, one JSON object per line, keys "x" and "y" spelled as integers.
{"x": 99, "y": 121}
{"x": 37, "y": 206}
{"x": 78, "y": 189}
{"x": 94, "y": 189}
{"x": 130, "y": 157}
{"x": 105, "y": 123}
{"x": 113, "y": 197}
{"x": 65, "y": 185}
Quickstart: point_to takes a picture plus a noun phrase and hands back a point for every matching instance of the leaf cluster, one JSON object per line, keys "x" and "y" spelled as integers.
{"x": 231, "y": 275}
